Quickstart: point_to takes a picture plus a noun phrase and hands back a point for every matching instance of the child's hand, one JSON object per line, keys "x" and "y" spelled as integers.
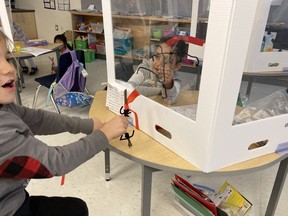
{"x": 97, "y": 123}
{"x": 167, "y": 75}
{"x": 54, "y": 69}
{"x": 115, "y": 127}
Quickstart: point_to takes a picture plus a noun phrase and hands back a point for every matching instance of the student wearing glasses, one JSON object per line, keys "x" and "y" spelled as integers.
{"x": 158, "y": 75}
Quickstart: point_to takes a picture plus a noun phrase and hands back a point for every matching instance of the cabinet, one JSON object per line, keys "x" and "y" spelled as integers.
{"x": 87, "y": 19}
{"x": 26, "y": 20}
{"x": 143, "y": 30}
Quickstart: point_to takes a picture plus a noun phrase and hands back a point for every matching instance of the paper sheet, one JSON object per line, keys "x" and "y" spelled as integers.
{"x": 115, "y": 99}
{"x": 35, "y": 50}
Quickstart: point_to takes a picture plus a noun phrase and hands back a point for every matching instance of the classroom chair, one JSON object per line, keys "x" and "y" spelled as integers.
{"x": 65, "y": 61}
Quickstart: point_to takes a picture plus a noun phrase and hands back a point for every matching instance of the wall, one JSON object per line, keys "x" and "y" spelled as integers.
{"x": 46, "y": 19}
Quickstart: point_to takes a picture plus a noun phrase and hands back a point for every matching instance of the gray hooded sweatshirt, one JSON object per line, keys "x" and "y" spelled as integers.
{"x": 148, "y": 85}
{"x": 23, "y": 157}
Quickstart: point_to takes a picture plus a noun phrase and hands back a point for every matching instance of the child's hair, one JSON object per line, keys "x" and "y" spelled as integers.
{"x": 62, "y": 38}
{"x": 179, "y": 48}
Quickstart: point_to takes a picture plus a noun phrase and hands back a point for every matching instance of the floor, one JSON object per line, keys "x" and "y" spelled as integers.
{"x": 121, "y": 195}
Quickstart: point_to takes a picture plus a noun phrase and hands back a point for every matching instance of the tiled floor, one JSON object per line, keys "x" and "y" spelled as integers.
{"x": 121, "y": 195}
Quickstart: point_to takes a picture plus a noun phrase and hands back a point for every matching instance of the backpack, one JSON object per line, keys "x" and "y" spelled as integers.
{"x": 69, "y": 90}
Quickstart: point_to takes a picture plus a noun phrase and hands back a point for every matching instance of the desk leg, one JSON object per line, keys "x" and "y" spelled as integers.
{"x": 107, "y": 164}
{"x": 249, "y": 87}
{"x": 146, "y": 190}
{"x": 18, "y": 96}
{"x": 277, "y": 188}
{"x": 198, "y": 77}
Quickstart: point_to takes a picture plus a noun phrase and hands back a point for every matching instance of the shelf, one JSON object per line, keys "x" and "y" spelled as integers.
{"x": 86, "y": 14}
{"x": 154, "y": 39}
{"x": 140, "y": 26}
{"x": 148, "y": 18}
{"x": 87, "y": 32}
{"x": 153, "y": 18}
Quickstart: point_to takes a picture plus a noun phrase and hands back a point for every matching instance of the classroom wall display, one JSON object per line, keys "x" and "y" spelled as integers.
{"x": 210, "y": 141}
{"x": 64, "y": 5}
{"x": 49, "y": 4}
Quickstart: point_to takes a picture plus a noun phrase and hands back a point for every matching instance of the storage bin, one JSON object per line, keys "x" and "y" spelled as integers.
{"x": 81, "y": 44}
{"x": 97, "y": 27}
{"x": 70, "y": 43}
{"x": 100, "y": 47}
{"x": 187, "y": 61}
{"x": 157, "y": 33}
{"x": 89, "y": 55}
{"x": 167, "y": 32}
{"x": 92, "y": 46}
{"x": 123, "y": 46}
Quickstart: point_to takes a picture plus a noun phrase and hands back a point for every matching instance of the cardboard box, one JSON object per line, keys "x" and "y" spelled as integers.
{"x": 211, "y": 142}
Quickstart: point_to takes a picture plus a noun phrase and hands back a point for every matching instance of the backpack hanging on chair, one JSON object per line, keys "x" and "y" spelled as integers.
{"x": 69, "y": 90}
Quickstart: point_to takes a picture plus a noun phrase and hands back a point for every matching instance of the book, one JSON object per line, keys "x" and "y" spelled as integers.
{"x": 189, "y": 202}
{"x": 36, "y": 42}
{"x": 231, "y": 201}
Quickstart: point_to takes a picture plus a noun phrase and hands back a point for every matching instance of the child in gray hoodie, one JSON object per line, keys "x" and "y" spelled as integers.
{"x": 23, "y": 157}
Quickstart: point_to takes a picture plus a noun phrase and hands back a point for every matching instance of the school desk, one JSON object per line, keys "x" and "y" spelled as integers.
{"x": 145, "y": 150}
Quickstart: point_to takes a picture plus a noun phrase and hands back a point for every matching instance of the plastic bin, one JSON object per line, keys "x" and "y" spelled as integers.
{"x": 157, "y": 33}
{"x": 97, "y": 27}
{"x": 100, "y": 47}
{"x": 81, "y": 44}
{"x": 89, "y": 55}
{"x": 123, "y": 46}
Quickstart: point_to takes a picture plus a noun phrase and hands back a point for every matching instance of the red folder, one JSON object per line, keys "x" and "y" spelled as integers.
{"x": 195, "y": 193}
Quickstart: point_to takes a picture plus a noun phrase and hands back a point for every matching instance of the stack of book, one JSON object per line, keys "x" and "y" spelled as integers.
{"x": 194, "y": 202}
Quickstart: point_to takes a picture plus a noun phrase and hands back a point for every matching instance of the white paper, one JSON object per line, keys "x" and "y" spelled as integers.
{"x": 115, "y": 99}
{"x": 35, "y": 50}
{"x": 91, "y": 7}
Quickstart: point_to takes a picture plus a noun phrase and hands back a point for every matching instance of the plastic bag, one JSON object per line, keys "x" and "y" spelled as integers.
{"x": 272, "y": 105}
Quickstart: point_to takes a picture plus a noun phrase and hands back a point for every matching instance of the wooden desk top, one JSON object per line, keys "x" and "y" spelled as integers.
{"x": 185, "y": 98}
{"x": 149, "y": 152}
{"x": 51, "y": 46}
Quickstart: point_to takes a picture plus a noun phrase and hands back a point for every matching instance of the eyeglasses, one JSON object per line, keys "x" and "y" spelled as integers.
{"x": 167, "y": 60}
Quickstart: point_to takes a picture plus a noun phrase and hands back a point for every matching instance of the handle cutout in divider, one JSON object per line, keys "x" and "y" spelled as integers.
{"x": 257, "y": 145}
{"x": 162, "y": 131}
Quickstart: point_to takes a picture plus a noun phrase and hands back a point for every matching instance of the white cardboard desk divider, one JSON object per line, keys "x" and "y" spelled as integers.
{"x": 264, "y": 61}
{"x": 210, "y": 142}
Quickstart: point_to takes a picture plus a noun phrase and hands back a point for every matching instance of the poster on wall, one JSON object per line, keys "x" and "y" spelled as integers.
{"x": 49, "y": 4}
{"x": 64, "y": 5}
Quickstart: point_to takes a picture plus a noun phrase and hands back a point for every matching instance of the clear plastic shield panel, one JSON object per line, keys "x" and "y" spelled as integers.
{"x": 152, "y": 53}
{"x": 263, "y": 92}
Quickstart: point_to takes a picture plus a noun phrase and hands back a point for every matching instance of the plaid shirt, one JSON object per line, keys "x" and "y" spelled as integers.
{"x": 18, "y": 34}
{"x": 24, "y": 167}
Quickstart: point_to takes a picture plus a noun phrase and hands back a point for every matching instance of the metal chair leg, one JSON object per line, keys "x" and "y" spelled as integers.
{"x": 54, "y": 104}
{"x": 36, "y": 97}
{"x": 87, "y": 90}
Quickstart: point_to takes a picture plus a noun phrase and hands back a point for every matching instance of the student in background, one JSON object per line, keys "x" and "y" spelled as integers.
{"x": 61, "y": 38}
{"x": 23, "y": 157}
{"x": 19, "y": 35}
{"x": 65, "y": 48}
{"x": 158, "y": 75}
